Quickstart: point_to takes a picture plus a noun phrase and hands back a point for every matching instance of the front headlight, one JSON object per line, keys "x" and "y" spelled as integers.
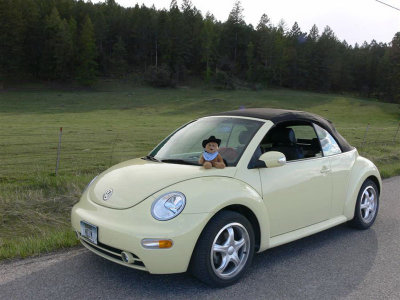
{"x": 168, "y": 206}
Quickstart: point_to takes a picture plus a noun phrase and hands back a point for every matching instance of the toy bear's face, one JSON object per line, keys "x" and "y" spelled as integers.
{"x": 211, "y": 147}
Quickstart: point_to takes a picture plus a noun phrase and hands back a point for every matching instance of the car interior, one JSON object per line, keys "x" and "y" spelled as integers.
{"x": 295, "y": 140}
{"x": 229, "y": 154}
{"x": 231, "y": 151}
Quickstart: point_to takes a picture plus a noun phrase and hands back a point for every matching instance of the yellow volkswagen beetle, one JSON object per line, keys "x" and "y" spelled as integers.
{"x": 288, "y": 174}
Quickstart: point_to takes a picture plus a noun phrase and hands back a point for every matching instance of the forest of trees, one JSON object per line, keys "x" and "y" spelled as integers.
{"x": 71, "y": 40}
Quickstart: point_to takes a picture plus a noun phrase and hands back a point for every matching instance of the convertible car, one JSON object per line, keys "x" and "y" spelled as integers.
{"x": 288, "y": 174}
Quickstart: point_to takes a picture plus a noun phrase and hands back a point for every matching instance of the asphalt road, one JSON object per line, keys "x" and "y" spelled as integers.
{"x": 339, "y": 263}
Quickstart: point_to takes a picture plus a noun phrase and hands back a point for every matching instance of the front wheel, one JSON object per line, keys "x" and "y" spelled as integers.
{"x": 224, "y": 250}
{"x": 367, "y": 206}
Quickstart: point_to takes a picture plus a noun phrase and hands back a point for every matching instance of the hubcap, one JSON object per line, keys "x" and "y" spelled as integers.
{"x": 368, "y": 204}
{"x": 230, "y": 250}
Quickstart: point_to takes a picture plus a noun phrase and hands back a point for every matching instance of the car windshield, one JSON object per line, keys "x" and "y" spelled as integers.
{"x": 185, "y": 145}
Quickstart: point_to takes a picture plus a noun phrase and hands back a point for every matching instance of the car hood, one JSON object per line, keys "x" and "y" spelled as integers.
{"x": 128, "y": 183}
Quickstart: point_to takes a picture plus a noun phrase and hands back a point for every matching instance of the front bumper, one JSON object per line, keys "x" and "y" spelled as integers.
{"x": 123, "y": 230}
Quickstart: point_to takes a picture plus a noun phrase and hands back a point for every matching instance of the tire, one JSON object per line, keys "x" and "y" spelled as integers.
{"x": 224, "y": 250}
{"x": 367, "y": 206}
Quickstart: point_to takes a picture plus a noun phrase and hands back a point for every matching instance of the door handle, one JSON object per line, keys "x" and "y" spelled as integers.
{"x": 325, "y": 169}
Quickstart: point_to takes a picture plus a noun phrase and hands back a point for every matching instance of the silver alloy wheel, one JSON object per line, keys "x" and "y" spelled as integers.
{"x": 230, "y": 250}
{"x": 368, "y": 204}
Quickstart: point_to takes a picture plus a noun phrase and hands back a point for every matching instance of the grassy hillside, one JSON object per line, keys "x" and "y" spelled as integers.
{"x": 105, "y": 127}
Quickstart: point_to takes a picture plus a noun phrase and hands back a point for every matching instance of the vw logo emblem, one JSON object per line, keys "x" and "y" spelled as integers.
{"x": 107, "y": 194}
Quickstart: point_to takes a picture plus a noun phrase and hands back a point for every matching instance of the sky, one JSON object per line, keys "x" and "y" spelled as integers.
{"x": 355, "y": 21}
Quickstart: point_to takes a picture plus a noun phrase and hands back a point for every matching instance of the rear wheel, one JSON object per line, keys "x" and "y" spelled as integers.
{"x": 367, "y": 206}
{"x": 224, "y": 250}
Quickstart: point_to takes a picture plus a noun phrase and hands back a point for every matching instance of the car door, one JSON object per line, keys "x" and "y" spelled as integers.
{"x": 297, "y": 194}
{"x": 341, "y": 165}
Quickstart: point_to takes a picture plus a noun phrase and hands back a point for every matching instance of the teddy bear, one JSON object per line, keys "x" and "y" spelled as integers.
{"x": 210, "y": 157}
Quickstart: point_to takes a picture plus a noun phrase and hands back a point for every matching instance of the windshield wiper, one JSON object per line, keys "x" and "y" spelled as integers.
{"x": 179, "y": 161}
{"x": 152, "y": 158}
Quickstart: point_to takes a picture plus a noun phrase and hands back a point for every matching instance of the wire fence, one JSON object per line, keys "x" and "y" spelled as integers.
{"x": 87, "y": 150}
{"x": 370, "y": 134}
{"x": 83, "y": 150}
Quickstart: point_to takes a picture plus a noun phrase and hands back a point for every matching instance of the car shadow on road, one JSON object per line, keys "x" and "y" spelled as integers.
{"x": 333, "y": 262}
{"x": 330, "y": 264}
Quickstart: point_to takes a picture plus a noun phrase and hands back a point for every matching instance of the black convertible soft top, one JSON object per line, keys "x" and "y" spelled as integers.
{"x": 278, "y": 116}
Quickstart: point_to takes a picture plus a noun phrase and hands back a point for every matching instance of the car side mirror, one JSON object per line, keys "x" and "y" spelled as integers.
{"x": 273, "y": 159}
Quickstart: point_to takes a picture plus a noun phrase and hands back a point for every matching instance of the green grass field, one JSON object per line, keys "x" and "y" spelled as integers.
{"x": 104, "y": 127}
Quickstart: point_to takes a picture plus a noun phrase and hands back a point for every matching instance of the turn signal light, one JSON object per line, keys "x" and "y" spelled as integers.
{"x": 157, "y": 244}
{"x": 165, "y": 244}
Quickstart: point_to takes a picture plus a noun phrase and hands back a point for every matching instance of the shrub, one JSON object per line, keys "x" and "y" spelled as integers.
{"x": 159, "y": 77}
{"x": 223, "y": 80}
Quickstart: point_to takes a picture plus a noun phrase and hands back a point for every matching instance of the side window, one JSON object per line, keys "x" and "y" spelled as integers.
{"x": 307, "y": 140}
{"x": 296, "y": 141}
{"x": 328, "y": 143}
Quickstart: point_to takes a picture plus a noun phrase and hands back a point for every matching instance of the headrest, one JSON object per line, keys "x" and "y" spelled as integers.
{"x": 244, "y": 137}
{"x": 283, "y": 136}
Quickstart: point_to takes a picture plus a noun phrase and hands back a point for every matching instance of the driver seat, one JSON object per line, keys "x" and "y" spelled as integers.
{"x": 284, "y": 140}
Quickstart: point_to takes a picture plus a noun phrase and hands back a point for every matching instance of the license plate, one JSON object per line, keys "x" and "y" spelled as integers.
{"x": 89, "y": 231}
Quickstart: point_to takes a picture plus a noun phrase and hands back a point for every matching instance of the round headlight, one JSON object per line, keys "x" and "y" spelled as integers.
{"x": 168, "y": 206}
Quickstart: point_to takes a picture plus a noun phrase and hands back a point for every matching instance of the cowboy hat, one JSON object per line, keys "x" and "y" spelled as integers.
{"x": 211, "y": 139}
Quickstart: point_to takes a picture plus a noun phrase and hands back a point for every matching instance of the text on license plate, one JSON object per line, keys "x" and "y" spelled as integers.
{"x": 89, "y": 231}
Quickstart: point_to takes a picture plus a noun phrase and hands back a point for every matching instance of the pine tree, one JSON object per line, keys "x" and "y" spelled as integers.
{"x": 56, "y": 40}
{"x": 191, "y": 36}
{"x": 186, "y": 6}
{"x": 314, "y": 34}
{"x": 383, "y": 88}
{"x": 118, "y": 63}
{"x": 295, "y": 32}
{"x": 176, "y": 45}
{"x": 312, "y": 59}
{"x": 236, "y": 14}
{"x": 263, "y": 51}
{"x": 87, "y": 66}
{"x": 279, "y": 56}
{"x": 329, "y": 64}
{"x": 208, "y": 44}
{"x": 282, "y": 27}
{"x": 395, "y": 67}
{"x": 33, "y": 38}
{"x": 296, "y": 57}
{"x": 263, "y": 24}
{"x": 58, "y": 48}
{"x": 73, "y": 32}
{"x": 250, "y": 62}
{"x": 173, "y": 5}
{"x": 11, "y": 37}
{"x": 234, "y": 40}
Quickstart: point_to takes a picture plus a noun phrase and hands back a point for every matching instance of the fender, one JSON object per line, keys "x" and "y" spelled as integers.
{"x": 361, "y": 170}
{"x": 212, "y": 194}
